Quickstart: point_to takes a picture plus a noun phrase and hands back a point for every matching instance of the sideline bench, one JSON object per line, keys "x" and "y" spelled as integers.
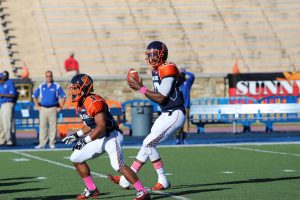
{"x": 231, "y": 113}
{"x": 205, "y": 119}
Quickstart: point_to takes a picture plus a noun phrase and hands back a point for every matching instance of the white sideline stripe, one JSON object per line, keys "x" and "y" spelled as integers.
{"x": 164, "y": 146}
{"x": 262, "y": 151}
{"x": 93, "y": 173}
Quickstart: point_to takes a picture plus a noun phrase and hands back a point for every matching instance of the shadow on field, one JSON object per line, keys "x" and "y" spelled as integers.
{"x": 167, "y": 194}
{"x": 20, "y": 190}
{"x": 54, "y": 197}
{"x": 257, "y": 180}
{"x": 16, "y": 183}
{"x": 16, "y": 178}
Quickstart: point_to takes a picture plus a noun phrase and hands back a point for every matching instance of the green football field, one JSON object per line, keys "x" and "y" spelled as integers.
{"x": 266, "y": 172}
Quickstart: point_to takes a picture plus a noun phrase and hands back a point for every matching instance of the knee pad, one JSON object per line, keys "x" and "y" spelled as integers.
{"x": 75, "y": 158}
{"x": 144, "y": 153}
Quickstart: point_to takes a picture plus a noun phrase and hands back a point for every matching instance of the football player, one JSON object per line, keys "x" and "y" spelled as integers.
{"x": 165, "y": 76}
{"x": 100, "y": 134}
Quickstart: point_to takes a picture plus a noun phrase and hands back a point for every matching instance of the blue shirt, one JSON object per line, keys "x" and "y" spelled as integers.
{"x": 7, "y": 87}
{"x": 186, "y": 86}
{"x": 49, "y": 95}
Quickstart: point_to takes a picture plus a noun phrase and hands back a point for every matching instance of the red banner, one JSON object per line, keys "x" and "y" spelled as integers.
{"x": 259, "y": 85}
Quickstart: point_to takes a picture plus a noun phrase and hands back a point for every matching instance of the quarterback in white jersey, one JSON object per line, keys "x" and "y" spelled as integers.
{"x": 166, "y": 93}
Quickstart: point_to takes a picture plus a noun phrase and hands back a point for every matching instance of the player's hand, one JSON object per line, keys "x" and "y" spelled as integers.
{"x": 136, "y": 84}
{"x": 79, "y": 145}
{"x": 70, "y": 139}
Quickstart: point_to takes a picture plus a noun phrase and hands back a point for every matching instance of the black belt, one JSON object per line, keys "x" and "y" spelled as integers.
{"x": 170, "y": 112}
{"x": 49, "y": 106}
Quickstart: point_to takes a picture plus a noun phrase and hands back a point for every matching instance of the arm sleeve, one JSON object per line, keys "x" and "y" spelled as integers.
{"x": 61, "y": 93}
{"x": 166, "y": 86}
{"x": 12, "y": 88}
{"x": 190, "y": 79}
{"x": 36, "y": 93}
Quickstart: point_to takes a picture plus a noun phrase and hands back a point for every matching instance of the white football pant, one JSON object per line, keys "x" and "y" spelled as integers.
{"x": 163, "y": 126}
{"x": 112, "y": 145}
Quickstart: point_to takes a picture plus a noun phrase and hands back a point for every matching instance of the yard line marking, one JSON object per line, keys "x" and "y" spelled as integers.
{"x": 289, "y": 170}
{"x": 21, "y": 159}
{"x": 227, "y": 172}
{"x": 131, "y": 156}
{"x": 93, "y": 173}
{"x": 261, "y": 151}
{"x": 170, "y": 195}
{"x": 41, "y": 178}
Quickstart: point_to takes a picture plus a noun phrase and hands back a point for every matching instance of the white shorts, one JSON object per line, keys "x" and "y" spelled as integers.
{"x": 112, "y": 145}
{"x": 164, "y": 126}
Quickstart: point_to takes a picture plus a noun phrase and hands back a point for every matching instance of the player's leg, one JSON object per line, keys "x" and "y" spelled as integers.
{"x": 79, "y": 158}
{"x": 113, "y": 147}
{"x": 178, "y": 136}
{"x": 7, "y": 109}
{"x": 52, "y": 127}
{"x": 164, "y": 125}
{"x": 186, "y": 127}
{"x": 2, "y": 133}
{"x": 167, "y": 125}
{"x": 140, "y": 160}
{"x": 43, "y": 134}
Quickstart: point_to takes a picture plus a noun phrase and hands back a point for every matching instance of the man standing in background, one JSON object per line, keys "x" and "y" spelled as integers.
{"x": 187, "y": 80}
{"x": 71, "y": 66}
{"x": 8, "y": 95}
{"x": 49, "y": 93}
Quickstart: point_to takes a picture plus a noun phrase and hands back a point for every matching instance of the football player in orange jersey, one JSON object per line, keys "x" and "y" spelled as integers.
{"x": 165, "y": 76}
{"x": 100, "y": 134}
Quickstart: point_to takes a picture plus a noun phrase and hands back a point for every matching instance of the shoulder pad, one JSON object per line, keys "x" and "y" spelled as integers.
{"x": 168, "y": 69}
{"x": 94, "y": 104}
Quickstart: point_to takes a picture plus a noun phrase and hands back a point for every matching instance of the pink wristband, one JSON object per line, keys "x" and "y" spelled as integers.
{"x": 143, "y": 90}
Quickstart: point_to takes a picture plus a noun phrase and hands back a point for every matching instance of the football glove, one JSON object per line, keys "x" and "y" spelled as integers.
{"x": 80, "y": 144}
{"x": 70, "y": 139}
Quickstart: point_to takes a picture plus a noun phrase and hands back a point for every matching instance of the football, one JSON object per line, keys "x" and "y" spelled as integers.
{"x": 132, "y": 74}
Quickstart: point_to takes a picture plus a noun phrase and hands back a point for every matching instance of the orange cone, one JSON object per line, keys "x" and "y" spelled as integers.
{"x": 25, "y": 72}
{"x": 235, "y": 67}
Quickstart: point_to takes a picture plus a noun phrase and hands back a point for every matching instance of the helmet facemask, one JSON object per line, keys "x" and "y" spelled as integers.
{"x": 77, "y": 91}
{"x": 154, "y": 57}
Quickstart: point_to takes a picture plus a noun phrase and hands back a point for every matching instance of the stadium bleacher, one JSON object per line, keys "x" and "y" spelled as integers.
{"x": 107, "y": 37}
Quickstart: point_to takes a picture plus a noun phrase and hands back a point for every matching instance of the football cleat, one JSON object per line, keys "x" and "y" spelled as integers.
{"x": 141, "y": 195}
{"x": 159, "y": 186}
{"x": 88, "y": 194}
{"x": 116, "y": 180}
